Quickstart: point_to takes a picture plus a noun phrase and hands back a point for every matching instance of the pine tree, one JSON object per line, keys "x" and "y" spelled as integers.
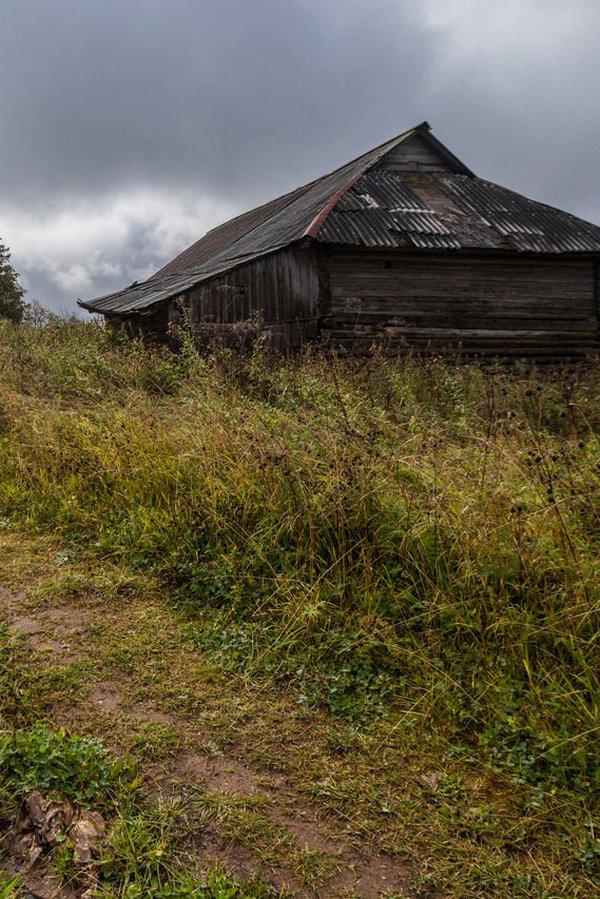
{"x": 12, "y": 305}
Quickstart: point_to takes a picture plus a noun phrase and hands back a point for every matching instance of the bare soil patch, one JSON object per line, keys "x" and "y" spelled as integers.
{"x": 106, "y": 697}
{"x": 359, "y": 871}
{"x": 222, "y": 774}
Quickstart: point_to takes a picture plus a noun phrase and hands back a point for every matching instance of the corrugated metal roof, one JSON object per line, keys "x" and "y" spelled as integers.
{"x": 362, "y": 206}
{"x": 525, "y": 224}
{"x": 291, "y": 217}
{"x": 382, "y": 210}
{"x": 386, "y": 209}
{"x": 214, "y": 242}
{"x": 141, "y": 296}
{"x": 282, "y": 220}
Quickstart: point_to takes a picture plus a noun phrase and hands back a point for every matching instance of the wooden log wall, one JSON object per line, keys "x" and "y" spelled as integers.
{"x": 539, "y": 307}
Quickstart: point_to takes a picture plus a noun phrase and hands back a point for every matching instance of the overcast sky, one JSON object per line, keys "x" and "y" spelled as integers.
{"x": 130, "y": 127}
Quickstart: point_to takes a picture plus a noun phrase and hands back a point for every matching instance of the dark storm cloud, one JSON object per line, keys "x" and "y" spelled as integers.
{"x": 223, "y": 93}
{"x": 129, "y": 127}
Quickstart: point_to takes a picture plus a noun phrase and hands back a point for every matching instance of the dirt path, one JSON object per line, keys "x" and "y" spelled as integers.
{"x": 119, "y": 671}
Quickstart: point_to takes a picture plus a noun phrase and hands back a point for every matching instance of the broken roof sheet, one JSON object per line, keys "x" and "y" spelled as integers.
{"x": 453, "y": 212}
{"x": 361, "y": 204}
{"x": 382, "y": 210}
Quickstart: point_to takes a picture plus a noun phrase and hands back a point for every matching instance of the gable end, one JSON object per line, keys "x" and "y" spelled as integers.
{"x": 420, "y": 152}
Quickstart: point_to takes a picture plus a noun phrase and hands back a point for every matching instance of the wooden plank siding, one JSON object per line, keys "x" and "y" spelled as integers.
{"x": 282, "y": 287}
{"x": 412, "y": 154}
{"x": 541, "y": 307}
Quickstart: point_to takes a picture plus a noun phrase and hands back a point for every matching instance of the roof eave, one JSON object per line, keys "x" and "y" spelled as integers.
{"x": 180, "y": 288}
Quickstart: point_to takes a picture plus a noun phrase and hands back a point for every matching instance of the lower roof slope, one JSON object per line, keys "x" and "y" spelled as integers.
{"x": 365, "y": 204}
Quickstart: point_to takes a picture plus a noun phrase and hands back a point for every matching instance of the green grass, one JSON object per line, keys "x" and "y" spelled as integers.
{"x": 142, "y": 858}
{"x": 143, "y": 855}
{"x": 408, "y": 546}
{"x": 9, "y": 887}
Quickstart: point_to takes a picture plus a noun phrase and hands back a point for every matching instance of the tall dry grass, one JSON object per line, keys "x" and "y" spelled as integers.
{"x": 384, "y": 536}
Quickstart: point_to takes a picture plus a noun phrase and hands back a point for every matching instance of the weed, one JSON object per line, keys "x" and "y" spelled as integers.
{"x": 144, "y": 857}
{"x": 55, "y": 760}
{"x": 156, "y": 741}
{"x": 10, "y": 887}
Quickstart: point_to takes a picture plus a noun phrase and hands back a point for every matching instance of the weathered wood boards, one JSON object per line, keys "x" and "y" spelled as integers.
{"x": 415, "y": 154}
{"x": 543, "y": 307}
{"x": 281, "y": 288}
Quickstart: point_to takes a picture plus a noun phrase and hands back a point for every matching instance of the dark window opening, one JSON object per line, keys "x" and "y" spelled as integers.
{"x": 388, "y": 263}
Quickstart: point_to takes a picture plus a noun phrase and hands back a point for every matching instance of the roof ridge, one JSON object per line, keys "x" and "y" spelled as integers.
{"x": 294, "y": 195}
{"x": 321, "y": 217}
{"x": 313, "y": 229}
{"x": 300, "y": 191}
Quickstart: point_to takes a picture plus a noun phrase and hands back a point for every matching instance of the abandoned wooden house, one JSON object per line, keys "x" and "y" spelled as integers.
{"x": 403, "y": 247}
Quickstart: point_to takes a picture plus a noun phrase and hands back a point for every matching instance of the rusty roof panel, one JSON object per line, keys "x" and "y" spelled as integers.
{"x": 469, "y": 229}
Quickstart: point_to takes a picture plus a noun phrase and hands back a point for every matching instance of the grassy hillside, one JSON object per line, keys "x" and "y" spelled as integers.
{"x": 404, "y": 557}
